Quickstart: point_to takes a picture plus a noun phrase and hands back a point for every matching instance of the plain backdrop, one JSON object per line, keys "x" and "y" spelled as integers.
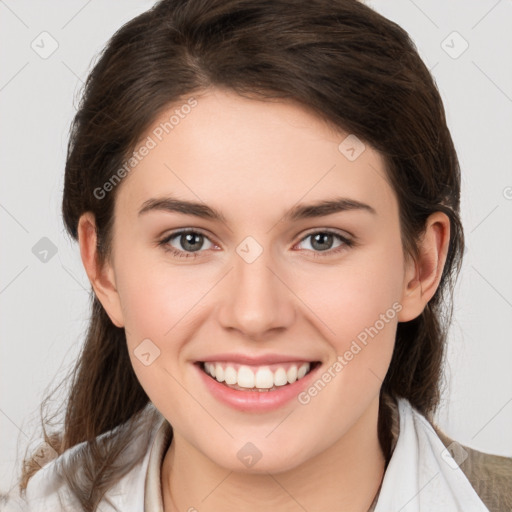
{"x": 44, "y": 304}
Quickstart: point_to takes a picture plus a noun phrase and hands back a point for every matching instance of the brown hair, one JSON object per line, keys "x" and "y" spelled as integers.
{"x": 354, "y": 69}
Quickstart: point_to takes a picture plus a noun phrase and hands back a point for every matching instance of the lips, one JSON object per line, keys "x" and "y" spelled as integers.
{"x": 255, "y": 399}
{"x": 261, "y": 360}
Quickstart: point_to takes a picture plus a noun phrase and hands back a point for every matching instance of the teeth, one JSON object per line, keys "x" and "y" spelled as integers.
{"x": 280, "y": 378}
{"x": 219, "y": 372}
{"x": 245, "y": 377}
{"x": 291, "y": 374}
{"x": 230, "y": 375}
{"x": 263, "y": 378}
{"x": 302, "y": 371}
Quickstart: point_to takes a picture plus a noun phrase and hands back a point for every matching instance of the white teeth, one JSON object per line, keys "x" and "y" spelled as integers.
{"x": 263, "y": 379}
{"x": 230, "y": 375}
{"x": 291, "y": 374}
{"x": 219, "y": 372}
{"x": 245, "y": 377}
{"x": 280, "y": 377}
{"x": 210, "y": 368}
{"x": 302, "y": 371}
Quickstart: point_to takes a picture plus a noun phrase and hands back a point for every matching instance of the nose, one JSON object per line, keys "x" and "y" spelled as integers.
{"x": 257, "y": 300}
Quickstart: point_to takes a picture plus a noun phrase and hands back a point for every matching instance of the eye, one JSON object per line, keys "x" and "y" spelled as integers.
{"x": 188, "y": 242}
{"x": 322, "y": 241}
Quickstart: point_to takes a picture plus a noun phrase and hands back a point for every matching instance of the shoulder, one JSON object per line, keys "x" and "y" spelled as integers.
{"x": 49, "y": 488}
{"x": 490, "y": 475}
{"x": 45, "y": 491}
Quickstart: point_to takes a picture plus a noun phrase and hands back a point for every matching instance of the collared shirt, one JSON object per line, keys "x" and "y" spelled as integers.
{"x": 140, "y": 489}
{"x": 153, "y": 483}
{"x": 490, "y": 475}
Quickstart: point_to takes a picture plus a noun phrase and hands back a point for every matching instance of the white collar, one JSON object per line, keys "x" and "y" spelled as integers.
{"x": 422, "y": 475}
{"x": 152, "y": 485}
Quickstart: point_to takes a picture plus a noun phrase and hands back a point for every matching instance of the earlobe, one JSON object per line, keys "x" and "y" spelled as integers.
{"x": 102, "y": 279}
{"x": 422, "y": 277}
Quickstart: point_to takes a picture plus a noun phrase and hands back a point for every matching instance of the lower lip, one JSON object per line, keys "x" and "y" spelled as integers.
{"x": 256, "y": 401}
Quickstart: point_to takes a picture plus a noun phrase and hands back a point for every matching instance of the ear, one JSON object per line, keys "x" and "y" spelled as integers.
{"x": 422, "y": 277}
{"x": 102, "y": 279}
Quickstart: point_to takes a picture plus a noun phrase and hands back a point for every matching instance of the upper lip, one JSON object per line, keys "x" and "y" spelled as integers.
{"x": 256, "y": 360}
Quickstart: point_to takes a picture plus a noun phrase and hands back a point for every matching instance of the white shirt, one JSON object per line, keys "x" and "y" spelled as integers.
{"x": 421, "y": 476}
{"x": 139, "y": 490}
{"x": 153, "y": 487}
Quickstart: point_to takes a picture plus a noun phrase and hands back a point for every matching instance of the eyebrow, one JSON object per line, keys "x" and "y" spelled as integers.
{"x": 299, "y": 212}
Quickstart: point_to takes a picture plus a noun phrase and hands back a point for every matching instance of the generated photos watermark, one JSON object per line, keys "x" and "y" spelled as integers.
{"x": 151, "y": 142}
{"x": 355, "y": 348}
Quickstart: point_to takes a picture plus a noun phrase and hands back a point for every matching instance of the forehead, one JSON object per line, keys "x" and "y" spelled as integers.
{"x": 252, "y": 157}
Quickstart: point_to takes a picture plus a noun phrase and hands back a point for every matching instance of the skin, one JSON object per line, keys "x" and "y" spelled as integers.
{"x": 253, "y": 161}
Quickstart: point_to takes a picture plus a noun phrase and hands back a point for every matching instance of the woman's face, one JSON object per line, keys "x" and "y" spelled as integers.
{"x": 276, "y": 279}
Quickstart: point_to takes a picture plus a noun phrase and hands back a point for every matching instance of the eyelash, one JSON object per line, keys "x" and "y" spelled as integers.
{"x": 347, "y": 243}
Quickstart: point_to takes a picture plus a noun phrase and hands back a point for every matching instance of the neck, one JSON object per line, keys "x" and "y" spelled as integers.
{"x": 346, "y": 476}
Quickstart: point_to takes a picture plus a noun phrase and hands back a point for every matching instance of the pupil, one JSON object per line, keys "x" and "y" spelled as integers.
{"x": 189, "y": 241}
{"x": 322, "y": 237}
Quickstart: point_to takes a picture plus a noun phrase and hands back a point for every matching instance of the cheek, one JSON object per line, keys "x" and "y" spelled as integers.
{"x": 156, "y": 305}
{"x": 359, "y": 287}
{"x": 357, "y": 304}
{"x": 154, "y": 296}
{"x": 160, "y": 307}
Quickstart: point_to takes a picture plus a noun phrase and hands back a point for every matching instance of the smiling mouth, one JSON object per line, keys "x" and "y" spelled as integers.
{"x": 262, "y": 378}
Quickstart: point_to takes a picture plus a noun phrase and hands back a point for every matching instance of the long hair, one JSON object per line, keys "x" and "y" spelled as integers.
{"x": 350, "y": 66}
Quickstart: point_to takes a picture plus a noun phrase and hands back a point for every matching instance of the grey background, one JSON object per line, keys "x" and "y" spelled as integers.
{"x": 44, "y": 305}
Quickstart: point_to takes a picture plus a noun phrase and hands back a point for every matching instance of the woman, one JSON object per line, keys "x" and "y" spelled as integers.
{"x": 266, "y": 198}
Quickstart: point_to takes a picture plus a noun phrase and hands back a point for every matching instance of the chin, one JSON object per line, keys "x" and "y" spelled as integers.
{"x": 249, "y": 459}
